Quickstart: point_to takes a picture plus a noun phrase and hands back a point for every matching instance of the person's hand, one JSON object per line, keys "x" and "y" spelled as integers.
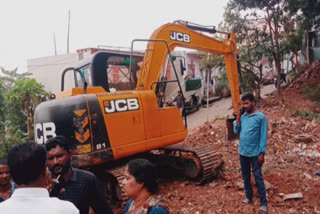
{"x": 261, "y": 158}
{"x": 51, "y": 182}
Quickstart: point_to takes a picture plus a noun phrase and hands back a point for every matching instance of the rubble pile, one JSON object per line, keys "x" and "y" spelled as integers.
{"x": 310, "y": 75}
{"x": 291, "y": 171}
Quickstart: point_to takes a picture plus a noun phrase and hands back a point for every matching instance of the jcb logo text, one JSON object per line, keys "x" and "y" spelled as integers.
{"x": 44, "y": 131}
{"x": 111, "y": 106}
{"x": 181, "y": 37}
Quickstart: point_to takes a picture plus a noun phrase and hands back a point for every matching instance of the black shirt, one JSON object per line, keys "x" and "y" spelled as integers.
{"x": 84, "y": 191}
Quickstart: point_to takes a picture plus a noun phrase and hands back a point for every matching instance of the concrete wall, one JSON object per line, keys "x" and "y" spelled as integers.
{"x": 48, "y": 70}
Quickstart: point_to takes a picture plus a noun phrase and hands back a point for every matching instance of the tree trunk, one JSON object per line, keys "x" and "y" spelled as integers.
{"x": 29, "y": 120}
{"x": 208, "y": 95}
{"x": 278, "y": 67}
{"x": 259, "y": 82}
{"x": 275, "y": 44}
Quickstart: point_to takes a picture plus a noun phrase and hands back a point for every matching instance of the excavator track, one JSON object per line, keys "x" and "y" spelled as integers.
{"x": 199, "y": 164}
{"x": 211, "y": 163}
{"x": 118, "y": 173}
{"x": 113, "y": 185}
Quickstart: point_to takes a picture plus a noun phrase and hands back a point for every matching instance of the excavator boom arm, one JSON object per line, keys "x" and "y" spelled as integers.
{"x": 179, "y": 35}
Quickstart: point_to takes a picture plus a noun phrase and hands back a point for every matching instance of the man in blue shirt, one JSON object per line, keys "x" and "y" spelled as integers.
{"x": 253, "y": 128}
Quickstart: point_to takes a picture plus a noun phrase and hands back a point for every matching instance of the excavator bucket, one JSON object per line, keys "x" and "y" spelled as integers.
{"x": 230, "y": 135}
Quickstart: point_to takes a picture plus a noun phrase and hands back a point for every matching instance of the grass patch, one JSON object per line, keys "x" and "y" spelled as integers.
{"x": 306, "y": 115}
{"x": 289, "y": 109}
{"x": 219, "y": 118}
{"x": 313, "y": 92}
{"x": 268, "y": 170}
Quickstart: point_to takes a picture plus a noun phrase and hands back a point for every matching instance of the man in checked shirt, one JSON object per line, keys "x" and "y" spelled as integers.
{"x": 75, "y": 185}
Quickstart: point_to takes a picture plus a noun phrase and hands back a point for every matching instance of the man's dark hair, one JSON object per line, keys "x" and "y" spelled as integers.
{"x": 144, "y": 172}
{"x": 3, "y": 162}
{"x": 58, "y": 140}
{"x": 249, "y": 97}
{"x": 27, "y": 161}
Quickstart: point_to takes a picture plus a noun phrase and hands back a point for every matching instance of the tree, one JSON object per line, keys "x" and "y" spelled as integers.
{"x": 253, "y": 44}
{"x": 26, "y": 95}
{"x": 293, "y": 34}
{"x": 12, "y": 121}
{"x": 2, "y": 115}
{"x": 18, "y": 99}
{"x": 309, "y": 15}
{"x": 9, "y": 77}
{"x": 260, "y": 29}
{"x": 208, "y": 62}
{"x": 13, "y": 117}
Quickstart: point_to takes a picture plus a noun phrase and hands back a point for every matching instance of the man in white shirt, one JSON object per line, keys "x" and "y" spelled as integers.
{"x": 27, "y": 163}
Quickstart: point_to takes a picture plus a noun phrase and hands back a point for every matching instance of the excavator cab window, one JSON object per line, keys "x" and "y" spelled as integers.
{"x": 109, "y": 70}
{"x": 118, "y": 72}
{"x": 168, "y": 86}
{"x": 86, "y": 74}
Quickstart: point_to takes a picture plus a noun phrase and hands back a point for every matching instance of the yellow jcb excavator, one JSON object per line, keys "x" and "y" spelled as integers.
{"x": 106, "y": 127}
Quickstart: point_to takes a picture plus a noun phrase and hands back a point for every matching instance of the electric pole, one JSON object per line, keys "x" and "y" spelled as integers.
{"x": 68, "y": 31}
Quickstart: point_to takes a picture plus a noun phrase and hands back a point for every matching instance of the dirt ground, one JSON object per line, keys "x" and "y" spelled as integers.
{"x": 292, "y": 162}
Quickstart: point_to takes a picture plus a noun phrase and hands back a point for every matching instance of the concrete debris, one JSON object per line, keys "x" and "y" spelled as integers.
{"x": 307, "y": 175}
{"x": 213, "y": 184}
{"x": 292, "y": 210}
{"x": 240, "y": 185}
{"x": 303, "y": 138}
{"x": 267, "y": 185}
{"x": 297, "y": 195}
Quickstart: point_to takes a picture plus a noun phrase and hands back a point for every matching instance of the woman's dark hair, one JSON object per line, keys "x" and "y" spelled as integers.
{"x": 144, "y": 172}
{"x": 59, "y": 140}
{"x": 248, "y": 96}
{"x": 27, "y": 161}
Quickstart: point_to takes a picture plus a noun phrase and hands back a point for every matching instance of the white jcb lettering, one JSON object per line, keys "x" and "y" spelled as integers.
{"x": 121, "y": 105}
{"x": 39, "y": 137}
{"x": 44, "y": 131}
{"x": 133, "y": 104}
{"x": 181, "y": 37}
{"x": 110, "y": 108}
{"x": 172, "y": 35}
{"x": 186, "y": 38}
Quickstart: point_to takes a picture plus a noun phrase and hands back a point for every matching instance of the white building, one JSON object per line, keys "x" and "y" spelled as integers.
{"x": 48, "y": 70}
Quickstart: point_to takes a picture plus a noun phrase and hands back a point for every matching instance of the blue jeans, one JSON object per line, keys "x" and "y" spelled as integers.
{"x": 246, "y": 164}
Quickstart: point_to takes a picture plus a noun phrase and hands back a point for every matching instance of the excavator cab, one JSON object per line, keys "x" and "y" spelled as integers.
{"x": 109, "y": 70}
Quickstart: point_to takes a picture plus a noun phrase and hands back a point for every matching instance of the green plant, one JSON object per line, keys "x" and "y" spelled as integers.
{"x": 313, "y": 92}
{"x": 306, "y": 114}
{"x": 221, "y": 81}
{"x": 268, "y": 170}
{"x": 219, "y": 118}
{"x": 289, "y": 109}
